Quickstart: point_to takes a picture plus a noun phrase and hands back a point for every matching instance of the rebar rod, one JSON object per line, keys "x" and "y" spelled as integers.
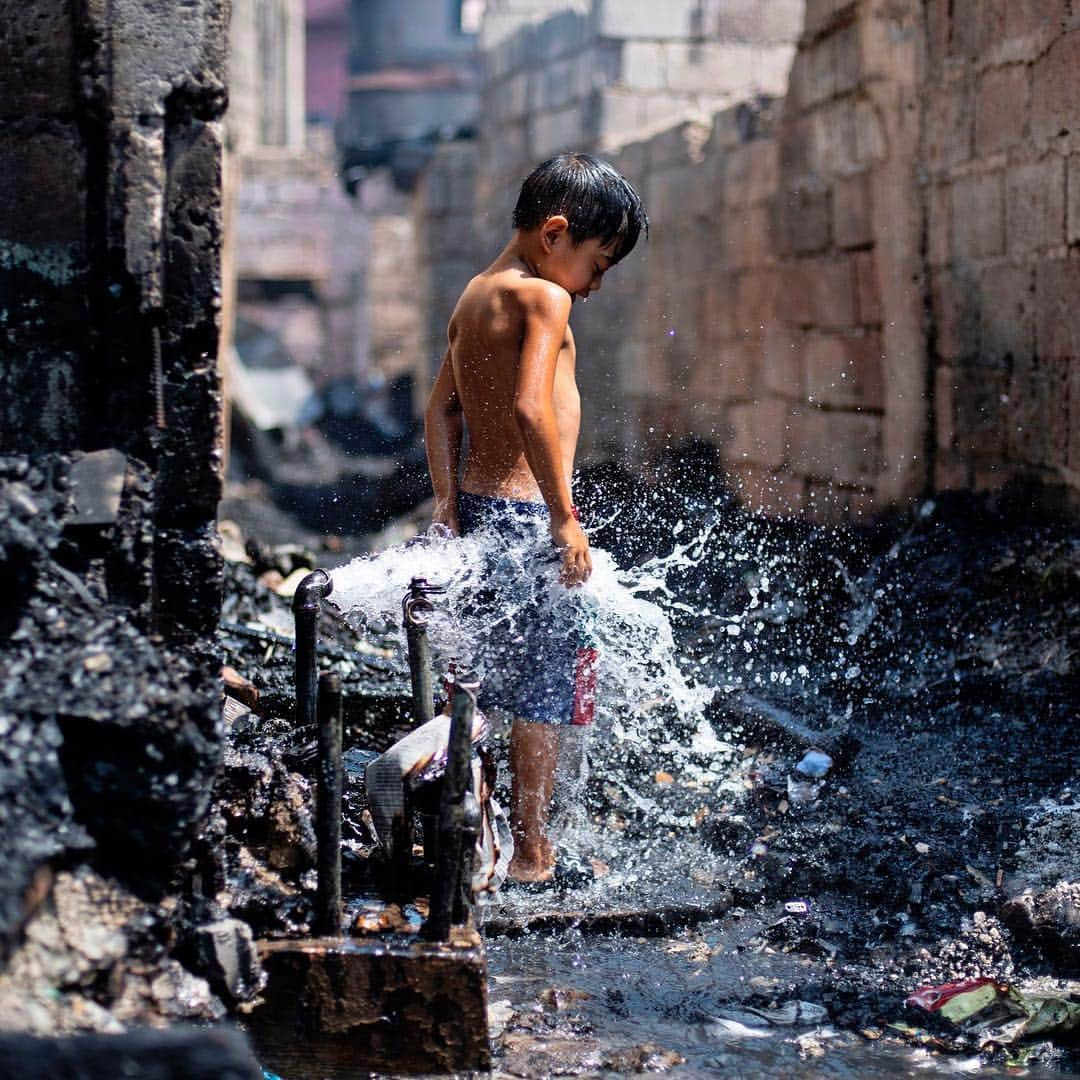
{"x": 330, "y": 781}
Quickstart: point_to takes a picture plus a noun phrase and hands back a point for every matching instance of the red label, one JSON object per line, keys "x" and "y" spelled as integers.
{"x": 585, "y": 687}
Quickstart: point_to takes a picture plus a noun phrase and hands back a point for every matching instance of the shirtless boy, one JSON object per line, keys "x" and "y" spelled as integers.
{"x": 508, "y": 378}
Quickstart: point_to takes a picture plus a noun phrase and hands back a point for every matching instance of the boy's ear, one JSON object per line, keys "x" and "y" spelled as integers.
{"x": 554, "y": 231}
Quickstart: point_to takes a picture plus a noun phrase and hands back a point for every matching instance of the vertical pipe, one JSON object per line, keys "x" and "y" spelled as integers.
{"x": 456, "y": 816}
{"x": 330, "y": 780}
{"x": 423, "y": 697}
{"x": 305, "y": 607}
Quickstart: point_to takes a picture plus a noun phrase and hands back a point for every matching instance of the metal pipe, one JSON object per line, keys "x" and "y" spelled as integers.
{"x": 416, "y": 608}
{"x": 309, "y": 593}
{"x": 329, "y": 783}
{"x": 459, "y": 822}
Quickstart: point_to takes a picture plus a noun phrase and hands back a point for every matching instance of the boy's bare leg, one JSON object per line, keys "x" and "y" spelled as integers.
{"x": 534, "y": 754}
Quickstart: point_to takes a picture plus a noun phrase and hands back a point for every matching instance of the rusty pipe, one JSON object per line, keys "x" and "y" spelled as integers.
{"x": 306, "y": 602}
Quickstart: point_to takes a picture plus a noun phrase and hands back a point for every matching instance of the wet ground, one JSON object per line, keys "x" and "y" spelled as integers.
{"x": 942, "y": 650}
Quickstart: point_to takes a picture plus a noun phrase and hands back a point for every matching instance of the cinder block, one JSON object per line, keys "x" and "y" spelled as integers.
{"x": 802, "y": 216}
{"x": 937, "y": 35}
{"x": 939, "y": 224}
{"x": 783, "y": 362}
{"x": 1072, "y": 454}
{"x": 737, "y": 365}
{"x": 820, "y": 292}
{"x": 1073, "y": 224}
{"x": 759, "y": 433}
{"x": 618, "y": 114}
{"x": 1035, "y": 204}
{"x": 1036, "y": 401}
{"x": 773, "y": 494}
{"x": 1056, "y": 89}
{"x": 671, "y": 20}
{"x": 1001, "y": 109}
{"x": 838, "y": 146}
{"x": 844, "y": 447}
{"x": 964, "y": 39}
{"x": 867, "y": 289}
{"x": 1007, "y": 319}
{"x": 777, "y": 22}
{"x": 955, "y": 309}
{"x": 978, "y": 216}
{"x": 945, "y": 407}
{"x": 555, "y": 132}
{"x": 751, "y": 172}
{"x": 718, "y": 308}
{"x": 557, "y": 85}
{"x": 845, "y": 370}
{"x": 643, "y": 65}
{"x": 852, "y": 223}
{"x": 754, "y": 297}
{"x": 1057, "y": 313}
{"x": 949, "y": 124}
{"x": 1032, "y": 18}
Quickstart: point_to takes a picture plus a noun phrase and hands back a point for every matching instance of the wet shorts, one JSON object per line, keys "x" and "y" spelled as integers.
{"x": 536, "y": 657}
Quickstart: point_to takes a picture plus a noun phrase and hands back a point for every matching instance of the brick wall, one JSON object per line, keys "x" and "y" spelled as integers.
{"x": 860, "y": 290}
{"x": 1001, "y": 148}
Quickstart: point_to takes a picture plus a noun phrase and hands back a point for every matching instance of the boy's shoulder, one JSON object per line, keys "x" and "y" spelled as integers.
{"x": 537, "y": 295}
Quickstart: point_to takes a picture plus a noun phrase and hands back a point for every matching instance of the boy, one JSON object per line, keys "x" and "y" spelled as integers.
{"x": 508, "y": 378}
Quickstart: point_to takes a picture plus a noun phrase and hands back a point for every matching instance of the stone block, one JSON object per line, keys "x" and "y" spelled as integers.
{"x": 981, "y": 415}
{"x": 1037, "y": 412}
{"x": 774, "y": 494}
{"x": 751, "y": 172}
{"x": 1035, "y": 205}
{"x": 819, "y": 292}
{"x": 746, "y": 237}
{"x": 1073, "y": 212}
{"x": 1001, "y": 108}
{"x": 1032, "y": 18}
{"x": 618, "y": 113}
{"x": 781, "y": 362}
{"x": 802, "y": 215}
{"x": 831, "y": 502}
{"x": 777, "y": 22}
{"x": 555, "y": 132}
{"x": 871, "y": 139}
{"x": 868, "y": 292}
{"x": 852, "y": 217}
{"x": 1057, "y": 312}
{"x": 819, "y": 13}
{"x": 718, "y": 308}
{"x": 627, "y": 19}
{"x": 937, "y": 35}
{"x": 644, "y": 65}
{"x": 966, "y": 29}
{"x": 736, "y": 370}
{"x": 939, "y": 224}
{"x": 845, "y": 370}
{"x": 945, "y": 389}
{"x": 955, "y": 310}
{"x": 978, "y": 215}
{"x": 759, "y": 433}
{"x": 555, "y": 86}
{"x": 1056, "y": 89}
{"x": 949, "y": 125}
{"x": 1007, "y": 319}
{"x": 722, "y": 68}
{"x": 37, "y": 75}
{"x": 832, "y": 148}
{"x": 842, "y": 447}
{"x": 754, "y": 296}
{"x": 1072, "y": 454}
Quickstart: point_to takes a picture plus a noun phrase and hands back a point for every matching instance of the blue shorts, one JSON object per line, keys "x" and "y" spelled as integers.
{"x": 537, "y": 661}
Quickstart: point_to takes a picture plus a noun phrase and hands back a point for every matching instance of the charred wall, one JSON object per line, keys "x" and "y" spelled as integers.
{"x": 110, "y": 234}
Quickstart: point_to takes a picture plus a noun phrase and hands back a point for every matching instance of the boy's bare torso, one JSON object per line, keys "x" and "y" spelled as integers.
{"x": 486, "y": 333}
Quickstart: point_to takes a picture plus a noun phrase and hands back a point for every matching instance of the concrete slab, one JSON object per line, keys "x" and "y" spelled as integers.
{"x": 339, "y": 1008}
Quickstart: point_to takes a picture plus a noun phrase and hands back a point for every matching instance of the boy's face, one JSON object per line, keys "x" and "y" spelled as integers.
{"x": 578, "y": 268}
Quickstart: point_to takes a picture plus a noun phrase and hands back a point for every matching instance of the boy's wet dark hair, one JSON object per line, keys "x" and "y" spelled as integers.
{"x": 597, "y": 200}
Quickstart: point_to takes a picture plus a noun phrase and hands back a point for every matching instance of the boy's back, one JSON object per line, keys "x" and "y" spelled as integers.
{"x": 508, "y": 378}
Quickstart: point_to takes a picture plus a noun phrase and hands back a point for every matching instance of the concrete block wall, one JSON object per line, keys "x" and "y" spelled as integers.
{"x": 861, "y": 290}
{"x": 1002, "y": 153}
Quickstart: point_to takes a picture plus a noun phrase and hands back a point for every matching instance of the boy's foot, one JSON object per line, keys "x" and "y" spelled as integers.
{"x": 540, "y": 867}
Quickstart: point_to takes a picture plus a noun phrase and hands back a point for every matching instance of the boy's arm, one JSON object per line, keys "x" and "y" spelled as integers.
{"x": 443, "y": 428}
{"x": 547, "y": 311}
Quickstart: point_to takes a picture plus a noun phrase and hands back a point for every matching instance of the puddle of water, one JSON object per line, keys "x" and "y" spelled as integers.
{"x": 595, "y": 998}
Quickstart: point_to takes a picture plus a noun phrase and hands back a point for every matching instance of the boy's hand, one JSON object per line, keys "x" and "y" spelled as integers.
{"x": 574, "y": 544}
